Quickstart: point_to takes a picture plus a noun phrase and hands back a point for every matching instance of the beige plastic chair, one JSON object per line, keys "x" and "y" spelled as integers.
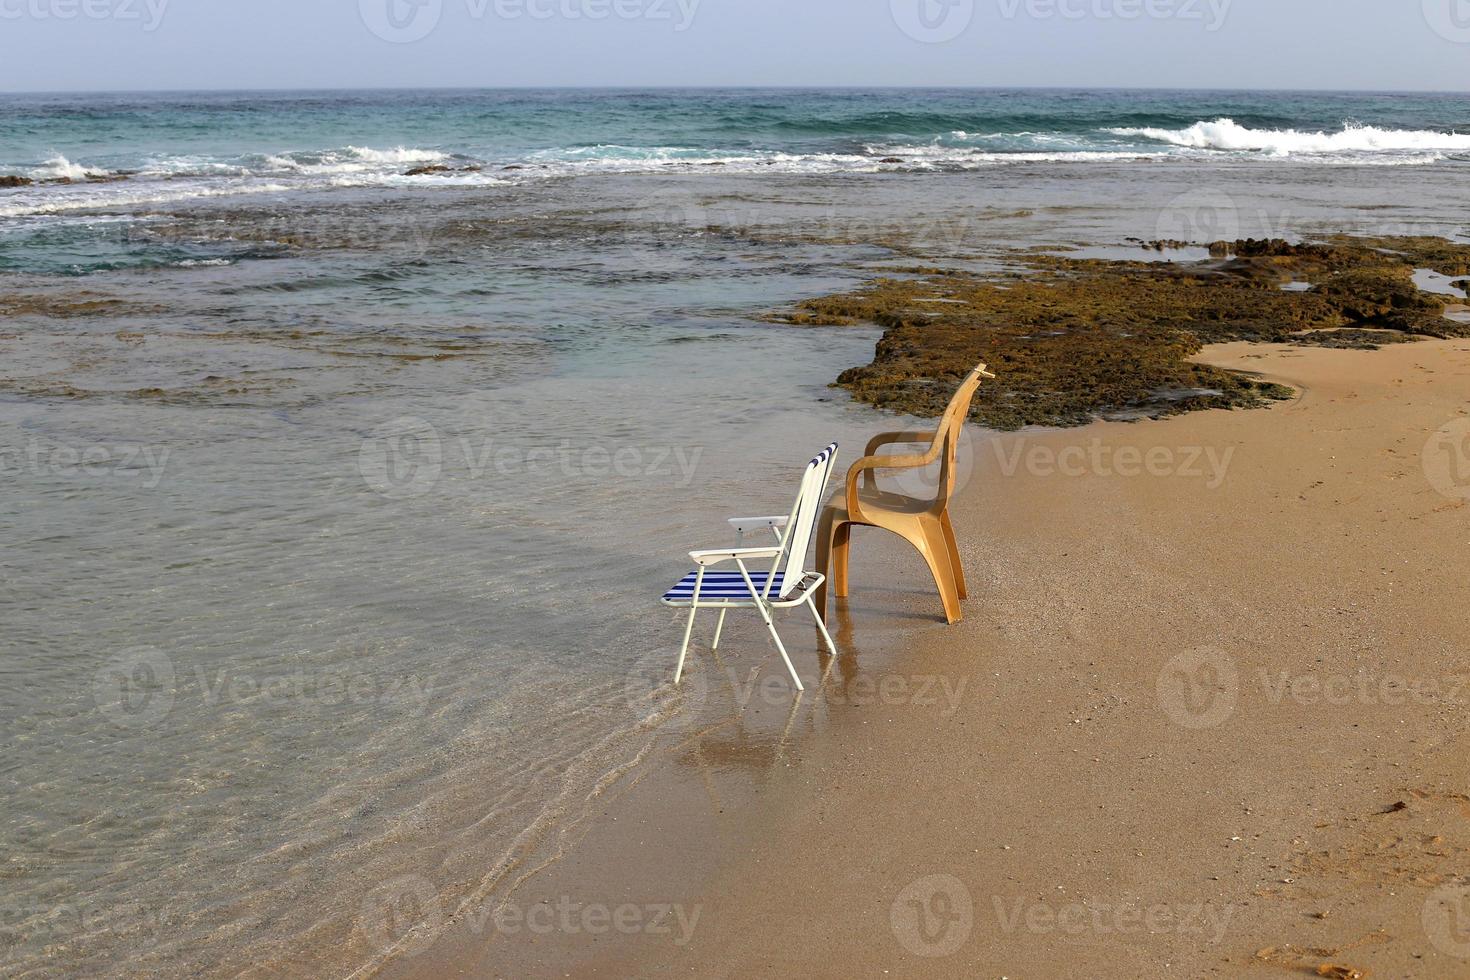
{"x": 923, "y": 523}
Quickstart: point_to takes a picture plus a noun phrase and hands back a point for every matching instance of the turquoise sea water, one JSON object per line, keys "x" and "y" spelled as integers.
{"x": 182, "y": 146}
{"x": 234, "y": 133}
{"x": 338, "y": 500}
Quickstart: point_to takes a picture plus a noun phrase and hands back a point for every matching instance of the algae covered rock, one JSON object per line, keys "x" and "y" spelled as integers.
{"x": 1073, "y": 340}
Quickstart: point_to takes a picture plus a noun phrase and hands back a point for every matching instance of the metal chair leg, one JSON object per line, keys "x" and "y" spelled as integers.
{"x": 770, "y": 625}
{"x": 684, "y": 650}
{"x": 831, "y": 647}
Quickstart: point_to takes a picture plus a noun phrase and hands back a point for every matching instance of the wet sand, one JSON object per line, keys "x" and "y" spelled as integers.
{"x": 1206, "y": 716}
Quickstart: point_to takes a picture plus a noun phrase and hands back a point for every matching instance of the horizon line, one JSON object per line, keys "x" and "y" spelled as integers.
{"x": 726, "y": 88}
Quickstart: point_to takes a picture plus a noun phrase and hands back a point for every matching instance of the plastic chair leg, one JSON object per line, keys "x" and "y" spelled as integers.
{"x": 841, "y": 558}
{"x": 935, "y": 550}
{"x": 954, "y": 555}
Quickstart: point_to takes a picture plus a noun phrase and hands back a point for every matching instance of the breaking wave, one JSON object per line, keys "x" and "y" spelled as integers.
{"x": 1227, "y": 134}
{"x": 59, "y": 167}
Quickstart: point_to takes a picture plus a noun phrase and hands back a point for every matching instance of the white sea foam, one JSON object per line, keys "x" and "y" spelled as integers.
{"x": 191, "y": 166}
{"x": 960, "y": 150}
{"x": 917, "y": 157}
{"x": 347, "y": 160}
{"x": 956, "y": 156}
{"x": 456, "y": 179}
{"x": 397, "y": 156}
{"x": 128, "y": 195}
{"x": 1227, "y": 134}
{"x": 60, "y": 168}
{"x": 273, "y": 162}
{"x": 1220, "y": 140}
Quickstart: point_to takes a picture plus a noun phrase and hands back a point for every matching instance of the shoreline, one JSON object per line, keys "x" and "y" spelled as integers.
{"x": 1061, "y": 780}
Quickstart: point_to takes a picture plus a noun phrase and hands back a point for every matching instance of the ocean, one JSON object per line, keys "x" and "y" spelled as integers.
{"x": 339, "y": 499}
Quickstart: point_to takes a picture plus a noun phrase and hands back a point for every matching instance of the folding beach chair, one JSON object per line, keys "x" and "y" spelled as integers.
{"x": 788, "y": 583}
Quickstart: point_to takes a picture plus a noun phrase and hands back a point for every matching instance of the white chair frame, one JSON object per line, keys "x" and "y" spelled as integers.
{"x": 799, "y": 584}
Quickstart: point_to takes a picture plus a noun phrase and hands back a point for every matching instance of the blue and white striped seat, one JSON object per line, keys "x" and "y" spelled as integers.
{"x": 724, "y": 585}
{"x": 787, "y": 582}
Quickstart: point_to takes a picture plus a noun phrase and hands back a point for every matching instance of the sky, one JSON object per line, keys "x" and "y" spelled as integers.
{"x": 109, "y": 45}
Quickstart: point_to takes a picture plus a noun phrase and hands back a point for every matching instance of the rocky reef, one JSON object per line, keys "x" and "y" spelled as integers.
{"x": 13, "y": 180}
{"x": 1073, "y": 340}
{"x": 439, "y": 168}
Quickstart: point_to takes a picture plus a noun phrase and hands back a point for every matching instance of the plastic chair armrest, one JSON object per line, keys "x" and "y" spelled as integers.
{"x": 869, "y": 463}
{"x": 879, "y": 441}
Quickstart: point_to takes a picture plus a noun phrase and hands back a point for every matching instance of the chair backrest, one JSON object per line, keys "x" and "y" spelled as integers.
{"x": 946, "y": 444}
{"x": 804, "y": 512}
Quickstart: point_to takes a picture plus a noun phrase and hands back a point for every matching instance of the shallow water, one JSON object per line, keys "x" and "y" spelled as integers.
{"x": 337, "y": 515}
{"x": 360, "y": 561}
{"x": 1435, "y": 282}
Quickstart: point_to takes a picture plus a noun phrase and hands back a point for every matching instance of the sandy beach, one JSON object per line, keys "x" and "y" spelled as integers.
{"x": 1206, "y": 716}
{"x": 352, "y": 435}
